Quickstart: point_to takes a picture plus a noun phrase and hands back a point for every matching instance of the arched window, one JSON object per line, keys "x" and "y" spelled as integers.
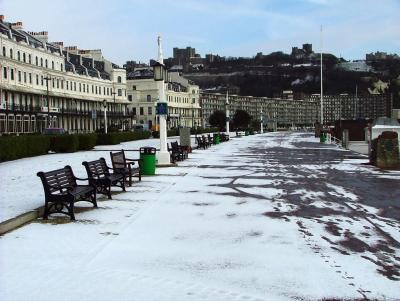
{"x": 41, "y": 62}
{"x": 46, "y": 63}
{"x": 52, "y": 65}
{"x": 18, "y": 56}
{"x": 119, "y": 79}
{"x": 24, "y": 57}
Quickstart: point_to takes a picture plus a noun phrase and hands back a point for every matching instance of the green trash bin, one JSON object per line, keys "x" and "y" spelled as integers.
{"x": 322, "y": 138}
{"x": 148, "y": 158}
{"x": 217, "y": 139}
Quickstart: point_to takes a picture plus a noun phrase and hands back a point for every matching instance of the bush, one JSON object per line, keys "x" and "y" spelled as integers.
{"x": 86, "y": 141}
{"x": 107, "y": 139}
{"x": 64, "y": 143}
{"x": 16, "y": 147}
{"x": 116, "y": 138}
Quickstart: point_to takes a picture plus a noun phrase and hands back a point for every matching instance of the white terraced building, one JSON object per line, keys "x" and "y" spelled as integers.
{"x": 45, "y": 85}
{"x": 182, "y": 98}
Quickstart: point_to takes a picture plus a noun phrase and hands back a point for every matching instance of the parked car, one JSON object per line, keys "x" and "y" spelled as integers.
{"x": 54, "y": 131}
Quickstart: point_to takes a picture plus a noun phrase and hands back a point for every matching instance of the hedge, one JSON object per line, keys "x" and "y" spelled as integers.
{"x": 64, "y": 143}
{"x": 16, "y": 147}
{"x": 87, "y": 141}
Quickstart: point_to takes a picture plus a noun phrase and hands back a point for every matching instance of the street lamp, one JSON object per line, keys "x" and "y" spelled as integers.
{"x": 105, "y": 115}
{"x": 227, "y": 113}
{"x": 161, "y": 75}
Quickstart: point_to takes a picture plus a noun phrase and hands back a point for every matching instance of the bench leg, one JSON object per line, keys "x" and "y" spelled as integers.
{"x": 94, "y": 199}
{"x": 71, "y": 210}
{"x": 108, "y": 191}
{"x": 46, "y": 211}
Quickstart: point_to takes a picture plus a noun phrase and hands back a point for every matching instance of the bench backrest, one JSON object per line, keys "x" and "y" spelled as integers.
{"x": 174, "y": 146}
{"x": 96, "y": 168}
{"x": 55, "y": 180}
{"x": 118, "y": 160}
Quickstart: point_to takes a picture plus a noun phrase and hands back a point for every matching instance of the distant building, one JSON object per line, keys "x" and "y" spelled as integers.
{"x": 355, "y": 66}
{"x": 275, "y": 111}
{"x": 301, "y": 53}
{"x": 346, "y": 106}
{"x": 182, "y": 97}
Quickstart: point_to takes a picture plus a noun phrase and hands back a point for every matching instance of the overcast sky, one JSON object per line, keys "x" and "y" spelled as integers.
{"x": 128, "y": 29}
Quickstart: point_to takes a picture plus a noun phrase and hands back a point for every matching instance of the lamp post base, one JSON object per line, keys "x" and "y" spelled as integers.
{"x": 163, "y": 158}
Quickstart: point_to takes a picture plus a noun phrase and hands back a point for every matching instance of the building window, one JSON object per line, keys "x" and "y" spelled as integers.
{"x": 4, "y": 51}
{"x": 46, "y": 63}
{"x": 148, "y": 98}
{"x": 119, "y": 92}
{"x": 19, "y": 76}
{"x": 24, "y": 57}
{"x": 130, "y": 97}
{"x": 37, "y": 61}
{"x": 37, "y": 80}
{"x": 119, "y": 79}
{"x": 141, "y": 111}
{"x": 30, "y": 59}
{"x": 149, "y": 110}
{"x": 133, "y": 88}
{"x": 30, "y": 78}
{"x": 133, "y": 111}
{"x": 61, "y": 67}
{"x": 41, "y": 62}
{"x": 18, "y": 56}
{"x": 5, "y": 72}
{"x": 58, "y": 83}
{"x": 11, "y": 74}
{"x": 52, "y": 65}
{"x": 11, "y": 53}
{"x": 80, "y": 87}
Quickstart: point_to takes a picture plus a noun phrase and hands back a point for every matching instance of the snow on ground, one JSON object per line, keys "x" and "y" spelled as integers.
{"x": 21, "y": 173}
{"x": 252, "y": 219}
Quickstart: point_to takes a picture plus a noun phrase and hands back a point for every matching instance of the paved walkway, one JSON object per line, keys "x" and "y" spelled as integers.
{"x": 268, "y": 217}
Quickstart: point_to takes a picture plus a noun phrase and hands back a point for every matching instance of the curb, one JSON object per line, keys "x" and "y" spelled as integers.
{"x": 20, "y": 220}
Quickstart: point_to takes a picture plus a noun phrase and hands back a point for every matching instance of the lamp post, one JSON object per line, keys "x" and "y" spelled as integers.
{"x": 160, "y": 74}
{"x": 105, "y": 115}
{"x": 227, "y": 113}
{"x": 261, "y": 122}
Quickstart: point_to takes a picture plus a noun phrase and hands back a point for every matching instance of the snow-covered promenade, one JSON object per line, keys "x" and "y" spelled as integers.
{"x": 276, "y": 216}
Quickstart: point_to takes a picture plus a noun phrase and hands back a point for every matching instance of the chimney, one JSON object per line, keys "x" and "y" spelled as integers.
{"x": 42, "y": 36}
{"x": 17, "y": 25}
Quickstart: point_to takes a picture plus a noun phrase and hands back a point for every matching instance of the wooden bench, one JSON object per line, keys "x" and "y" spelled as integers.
{"x": 178, "y": 153}
{"x": 125, "y": 166}
{"x": 62, "y": 191}
{"x": 99, "y": 175}
{"x": 201, "y": 143}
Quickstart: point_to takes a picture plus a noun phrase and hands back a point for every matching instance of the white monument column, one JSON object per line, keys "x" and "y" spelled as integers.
{"x": 227, "y": 112}
{"x": 163, "y": 155}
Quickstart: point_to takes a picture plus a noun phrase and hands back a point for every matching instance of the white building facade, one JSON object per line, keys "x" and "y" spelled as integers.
{"x": 182, "y": 98}
{"x": 46, "y": 85}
